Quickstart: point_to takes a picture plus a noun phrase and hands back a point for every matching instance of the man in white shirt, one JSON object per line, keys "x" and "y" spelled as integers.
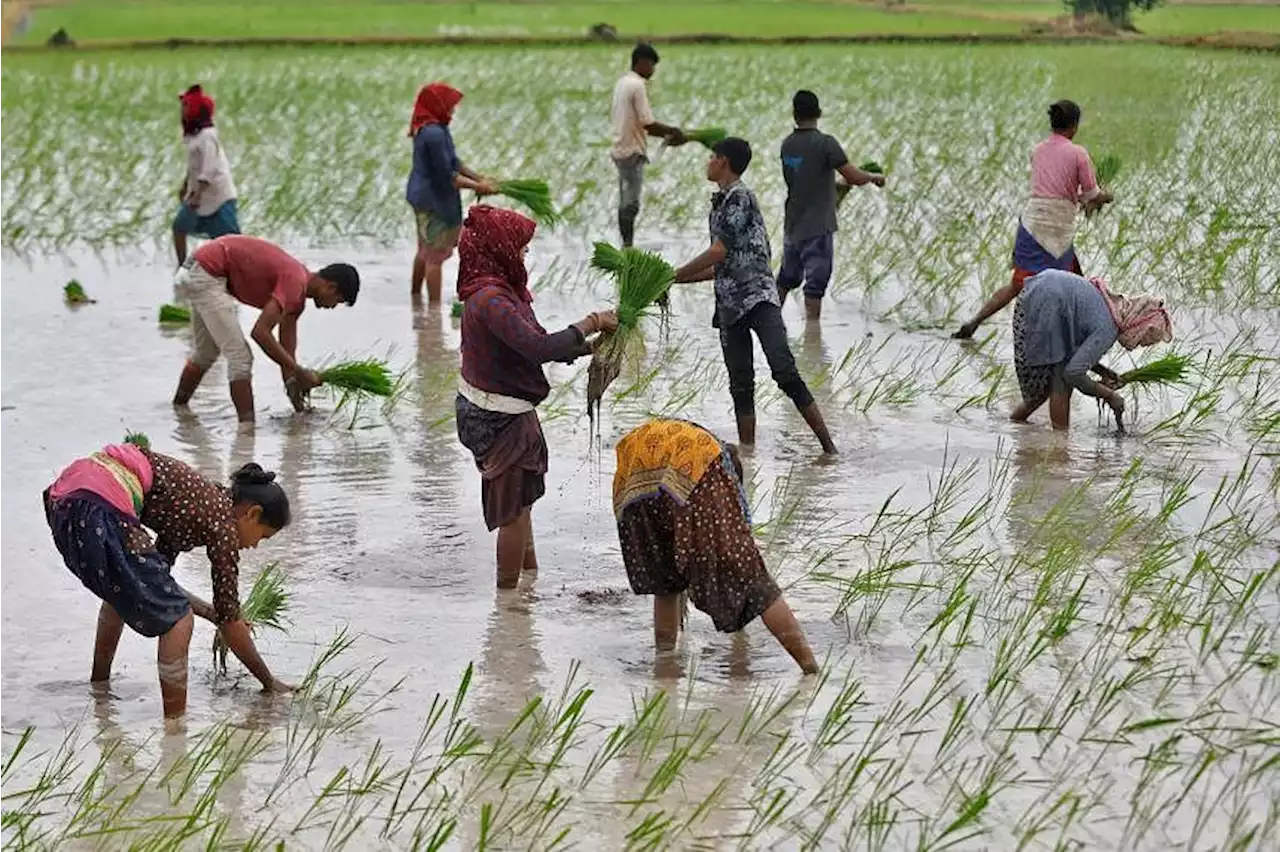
{"x": 633, "y": 123}
{"x": 207, "y": 199}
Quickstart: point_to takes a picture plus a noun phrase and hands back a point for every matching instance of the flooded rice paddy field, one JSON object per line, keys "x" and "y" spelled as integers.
{"x": 1029, "y": 640}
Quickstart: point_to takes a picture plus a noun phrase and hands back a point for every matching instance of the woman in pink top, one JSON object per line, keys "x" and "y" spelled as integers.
{"x": 1062, "y": 181}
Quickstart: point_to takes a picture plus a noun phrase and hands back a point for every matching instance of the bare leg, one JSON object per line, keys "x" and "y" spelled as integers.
{"x": 180, "y": 246}
{"x": 747, "y": 429}
{"x": 188, "y": 381}
{"x": 1060, "y": 410}
{"x": 419, "y": 272}
{"x": 530, "y": 554}
{"x": 512, "y": 544}
{"x": 668, "y": 612}
{"x": 242, "y": 399}
{"x": 435, "y": 281}
{"x": 110, "y": 626}
{"x": 171, "y": 660}
{"x": 812, "y": 308}
{"x": 813, "y": 416}
{"x": 782, "y": 623}
{"x": 998, "y": 300}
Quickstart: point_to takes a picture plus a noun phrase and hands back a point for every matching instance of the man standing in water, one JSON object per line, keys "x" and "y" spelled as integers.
{"x": 633, "y": 122}
{"x": 223, "y": 274}
{"x": 810, "y": 161}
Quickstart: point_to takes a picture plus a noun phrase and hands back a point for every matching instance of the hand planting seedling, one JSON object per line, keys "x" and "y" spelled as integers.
{"x": 533, "y": 194}
{"x": 74, "y": 294}
{"x": 174, "y": 315}
{"x": 642, "y": 278}
{"x": 266, "y": 607}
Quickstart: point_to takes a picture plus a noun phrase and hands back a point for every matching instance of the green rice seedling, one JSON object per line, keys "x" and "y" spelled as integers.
{"x": 642, "y": 279}
{"x": 74, "y": 293}
{"x": 873, "y": 167}
{"x": 456, "y": 309}
{"x": 607, "y": 258}
{"x": 138, "y": 439}
{"x": 266, "y": 607}
{"x": 174, "y": 314}
{"x": 369, "y": 377}
{"x": 533, "y": 194}
{"x": 1169, "y": 370}
{"x": 708, "y": 137}
{"x": 1107, "y": 169}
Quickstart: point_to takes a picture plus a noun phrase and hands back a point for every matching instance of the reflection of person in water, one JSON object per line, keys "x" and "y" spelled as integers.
{"x": 683, "y": 526}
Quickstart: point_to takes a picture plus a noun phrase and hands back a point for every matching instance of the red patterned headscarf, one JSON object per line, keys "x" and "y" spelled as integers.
{"x": 489, "y": 251}
{"x": 197, "y": 110}
{"x": 435, "y": 105}
{"x": 1141, "y": 320}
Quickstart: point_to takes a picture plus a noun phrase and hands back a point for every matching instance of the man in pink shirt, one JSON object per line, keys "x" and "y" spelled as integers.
{"x": 223, "y": 274}
{"x": 1062, "y": 181}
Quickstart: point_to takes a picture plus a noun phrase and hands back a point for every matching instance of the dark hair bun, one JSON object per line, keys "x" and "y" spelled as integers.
{"x": 253, "y": 474}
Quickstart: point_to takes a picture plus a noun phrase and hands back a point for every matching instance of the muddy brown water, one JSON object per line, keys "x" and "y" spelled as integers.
{"x": 388, "y": 538}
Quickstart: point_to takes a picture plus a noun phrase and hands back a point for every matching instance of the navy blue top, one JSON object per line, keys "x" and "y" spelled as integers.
{"x": 431, "y": 182}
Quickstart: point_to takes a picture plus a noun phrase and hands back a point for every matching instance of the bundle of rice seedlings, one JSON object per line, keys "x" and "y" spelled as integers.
{"x": 707, "y": 137}
{"x": 533, "y": 194}
{"x": 873, "y": 167}
{"x": 370, "y": 377}
{"x": 1107, "y": 169}
{"x": 74, "y": 293}
{"x": 643, "y": 278}
{"x": 138, "y": 439}
{"x": 266, "y": 607}
{"x": 607, "y": 258}
{"x": 1169, "y": 370}
{"x": 174, "y": 314}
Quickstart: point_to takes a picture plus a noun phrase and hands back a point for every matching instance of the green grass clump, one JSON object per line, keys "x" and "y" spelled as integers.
{"x": 74, "y": 293}
{"x": 643, "y": 277}
{"x": 533, "y": 194}
{"x": 174, "y": 314}
{"x": 370, "y": 376}
{"x": 138, "y": 439}
{"x": 707, "y": 137}
{"x": 1107, "y": 169}
{"x": 1169, "y": 370}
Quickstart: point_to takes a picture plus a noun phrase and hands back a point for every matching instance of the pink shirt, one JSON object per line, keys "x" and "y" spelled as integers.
{"x": 256, "y": 271}
{"x": 1062, "y": 169}
{"x": 120, "y": 474}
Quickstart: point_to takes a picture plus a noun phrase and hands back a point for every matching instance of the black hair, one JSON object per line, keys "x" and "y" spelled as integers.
{"x": 346, "y": 278}
{"x": 643, "y": 50}
{"x": 736, "y": 151}
{"x": 804, "y": 106}
{"x": 257, "y": 487}
{"x": 1064, "y": 115}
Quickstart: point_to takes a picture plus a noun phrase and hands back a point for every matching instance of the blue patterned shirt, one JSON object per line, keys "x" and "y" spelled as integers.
{"x": 744, "y": 278}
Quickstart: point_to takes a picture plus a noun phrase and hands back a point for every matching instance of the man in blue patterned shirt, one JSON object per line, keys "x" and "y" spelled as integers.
{"x": 746, "y": 295}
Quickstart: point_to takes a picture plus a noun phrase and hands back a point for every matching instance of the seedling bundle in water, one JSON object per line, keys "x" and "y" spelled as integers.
{"x": 642, "y": 278}
{"x": 533, "y": 194}
{"x": 370, "y": 377}
{"x": 174, "y": 315}
{"x": 266, "y": 607}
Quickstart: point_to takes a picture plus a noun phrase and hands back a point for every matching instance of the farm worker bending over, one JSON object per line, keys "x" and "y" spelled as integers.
{"x": 1062, "y": 179}
{"x": 684, "y": 530}
{"x": 632, "y": 121}
{"x": 434, "y": 183}
{"x": 501, "y": 381}
{"x": 810, "y": 162}
{"x": 1062, "y": 326}
{"x": 207, "y": 198}
{"x": 746, "y": 296}
{"x": 228, "y": 271}
{"x": 99, "y": 510}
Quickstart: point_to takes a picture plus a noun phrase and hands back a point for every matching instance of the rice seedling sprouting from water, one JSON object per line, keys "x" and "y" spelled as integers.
{"x": 266, "y": 607}
{"x": 642, "y": 279}
{"x": 533, "y": 194}
{"x": 74, "y": 293}
{"x": 174, "y": 315}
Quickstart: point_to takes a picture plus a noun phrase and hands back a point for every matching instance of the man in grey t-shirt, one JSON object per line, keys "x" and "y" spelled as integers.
{"x": 810, "y": 161}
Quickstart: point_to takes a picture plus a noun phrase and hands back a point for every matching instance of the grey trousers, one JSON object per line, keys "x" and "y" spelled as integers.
{"x": 630, "y": 185}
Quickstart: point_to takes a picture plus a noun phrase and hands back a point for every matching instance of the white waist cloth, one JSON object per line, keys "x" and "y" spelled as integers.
{"x": 493, "y": 401}
{"x": 1052, "y": 221}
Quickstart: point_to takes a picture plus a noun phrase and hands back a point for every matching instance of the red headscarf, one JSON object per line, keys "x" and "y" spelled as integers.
{"x": 435, "y": 105}
{"x": 489, "y": 251}
{"x": 197, "y": 110}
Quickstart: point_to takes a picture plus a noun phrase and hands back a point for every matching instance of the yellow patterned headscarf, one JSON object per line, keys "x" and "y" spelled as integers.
{"x": 663, "y": 456}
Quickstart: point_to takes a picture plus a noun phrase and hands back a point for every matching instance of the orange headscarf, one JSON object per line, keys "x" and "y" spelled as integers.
{"x": 435, "y": 105}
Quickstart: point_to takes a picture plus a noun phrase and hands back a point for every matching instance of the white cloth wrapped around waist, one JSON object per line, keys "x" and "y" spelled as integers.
{"x": 493, "y": 401}
{"x": 1052, "y": 221}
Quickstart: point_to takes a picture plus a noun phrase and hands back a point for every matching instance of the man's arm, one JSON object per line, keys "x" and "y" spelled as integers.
{"x": 289, "y": 337}
{"x": 644, "y": 116}
{"x": 271, "y": 316}
{"x": 855, "y": 176}
{"x": 702, "y": 267}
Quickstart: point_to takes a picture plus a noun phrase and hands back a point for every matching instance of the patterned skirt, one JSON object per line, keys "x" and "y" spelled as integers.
{"x": 511, "y": 455}
{"x": 703, "y": 547}
{"x": 1036, "y": 383}
{"x": 115, "y": 558}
